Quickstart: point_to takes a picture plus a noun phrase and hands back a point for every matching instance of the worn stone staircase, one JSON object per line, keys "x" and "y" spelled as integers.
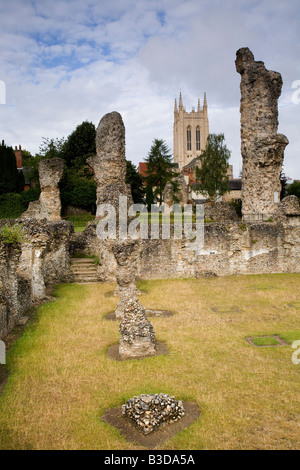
{"x": 83, "y": 270}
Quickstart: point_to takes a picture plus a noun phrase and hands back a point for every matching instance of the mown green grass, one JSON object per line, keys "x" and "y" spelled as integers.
{"x": 79, "y": 221}
{"x": 61, "y": 380}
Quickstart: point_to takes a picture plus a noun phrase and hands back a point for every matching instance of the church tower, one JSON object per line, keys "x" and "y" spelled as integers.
{"x": 190, "y": 132}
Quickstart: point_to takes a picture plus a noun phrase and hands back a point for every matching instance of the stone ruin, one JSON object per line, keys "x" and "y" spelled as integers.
{"x": 262, "y": 148}
{"x": 109, "y": 164}
{"x": 169, "y": 196}
{"x": 48, "y": 206}
{"x": 149, "y": 412}
{"x": 137, "y": 338}
{"x": 125, "y": 253}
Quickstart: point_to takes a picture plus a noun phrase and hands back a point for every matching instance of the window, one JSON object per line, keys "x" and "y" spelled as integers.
{"x": 198, "y": 138}
{"x": 189, "y": 138}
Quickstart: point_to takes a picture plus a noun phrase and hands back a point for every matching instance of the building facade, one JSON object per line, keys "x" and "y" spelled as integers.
{"x": 190, "y": 132}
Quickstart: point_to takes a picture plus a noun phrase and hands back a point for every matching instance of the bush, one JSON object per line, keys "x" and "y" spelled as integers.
{"x": 11, "y": 234}
{"x": 78, "y": 191}
{"x": 31, "y": 195}
{"x": 10, "y": 206}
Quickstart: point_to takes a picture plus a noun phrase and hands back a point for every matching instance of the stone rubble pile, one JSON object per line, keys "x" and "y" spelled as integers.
{"x": 152, "y": 411}
{"x": 137, "y": 338}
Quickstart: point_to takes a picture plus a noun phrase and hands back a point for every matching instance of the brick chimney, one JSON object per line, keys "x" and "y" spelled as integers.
{"x": 19, "y": 159}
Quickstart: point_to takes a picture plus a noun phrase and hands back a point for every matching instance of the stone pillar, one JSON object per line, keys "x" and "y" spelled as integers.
{"x": 109, "y": 164}
{"x": 125, "y": 253}
{"x": 262, "y": 148}
{"x": 137, "y": 338}
{"x": 49, "y": 205}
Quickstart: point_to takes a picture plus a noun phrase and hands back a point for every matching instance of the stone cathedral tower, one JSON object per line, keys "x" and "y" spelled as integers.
{"x": 190, "y": 132}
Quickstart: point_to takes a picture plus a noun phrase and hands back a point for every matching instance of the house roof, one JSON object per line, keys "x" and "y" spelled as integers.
{"x": 235, "y": 184}
{"x": 191, "y": 163}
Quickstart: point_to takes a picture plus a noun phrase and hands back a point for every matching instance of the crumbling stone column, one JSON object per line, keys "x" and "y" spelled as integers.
{"x": 109, "y": 164}
{"x": 137, "y": 338}
{"x": 49, "y": 205}
{"x": 262, "y": 148}
{"x": 126, "y": 252}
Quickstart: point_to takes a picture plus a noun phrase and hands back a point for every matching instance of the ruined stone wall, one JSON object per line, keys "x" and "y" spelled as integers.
{"x": 15, "y": 295}
{"x": 262, "y": 148}
{"x": 27, "y": 269}
{"x": 229, "y": 248}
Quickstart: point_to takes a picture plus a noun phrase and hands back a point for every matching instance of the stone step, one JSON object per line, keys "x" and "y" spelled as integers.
{"x": 85, "y": 273}
{"x": 88, "y": 279}
{"x": 82, "y": 261}
{"x": 84, "y": 270}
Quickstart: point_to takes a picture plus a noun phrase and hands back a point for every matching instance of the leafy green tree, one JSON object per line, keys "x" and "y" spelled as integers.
{"x": 11, "y": 180}
{"x": 80, "y": 145}
{"x": 149, "y": 196}
{"x": 212, "y": 175}
{"x": 51, "y": 148}
{"x": 294, "y": 189}
{"x": 136, "y": 183}
{"x": 160, "y": 168}
{"x": 78, "y": 191}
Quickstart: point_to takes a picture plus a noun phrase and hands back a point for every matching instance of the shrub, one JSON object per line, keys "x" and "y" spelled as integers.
{"x": 10, "y": 206}
{"x": 11, "y": 234}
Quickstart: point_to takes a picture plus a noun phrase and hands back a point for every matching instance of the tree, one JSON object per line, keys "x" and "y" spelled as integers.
{"x": 136, "y": 183}
{"x": 212, "y": 175}
{"x": 51, "y": 148}
{"x": 80, "y": 145}
{"x": 294, "y": 189}
{"x": 78, "y": 191}
{"x": 149, "y": 196}
{"x": 160, "y": 168}
{"x": 11, "y": 180}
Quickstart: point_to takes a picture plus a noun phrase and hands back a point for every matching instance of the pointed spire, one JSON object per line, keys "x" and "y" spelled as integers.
{"x": 180, "y": 102}
{"x": 198, "y": 107}
{"x": 175, "y": 107}
{"x": 205, "y": 101}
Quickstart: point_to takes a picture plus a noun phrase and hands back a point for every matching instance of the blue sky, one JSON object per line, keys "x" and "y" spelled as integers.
{"x": 64, "y": 62}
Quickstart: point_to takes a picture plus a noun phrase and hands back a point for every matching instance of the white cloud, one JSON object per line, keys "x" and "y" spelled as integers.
{"x": 67, "y": 61}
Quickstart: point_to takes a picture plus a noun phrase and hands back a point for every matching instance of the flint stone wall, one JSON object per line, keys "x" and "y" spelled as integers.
{"x": 262, "y": 148}
{"x": 48, "y": 206}
{"x": 229, "y": 248}
{"x": 27, "y": 269}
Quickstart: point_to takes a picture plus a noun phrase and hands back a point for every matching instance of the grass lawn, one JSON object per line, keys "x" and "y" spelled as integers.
{"x": 79, "y": 221}
{"x": 61, "y": 380}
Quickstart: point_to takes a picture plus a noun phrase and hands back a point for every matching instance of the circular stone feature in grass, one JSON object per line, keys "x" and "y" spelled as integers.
{"x": 148, "y": 312}
{"x": 113, "y": 352}
{"x": 156, "y": 438}
{"x": 266, "y": 341}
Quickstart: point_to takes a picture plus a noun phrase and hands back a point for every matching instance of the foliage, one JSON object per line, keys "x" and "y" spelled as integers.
{"x": 51, "y": 148}
{"x": 31, "y": 166}
{"x": 149, "y": 196}
{"x": 294, "y": 189}
{"x": 11, "y": 180}
{"x": 11, "y": 234}
{"x": 80, "y": 145}
{"x": 10, "y": 206}
{"x": 212, "y": 176}
{"x": 237, "y": 204}
{"x": 160, "y": 168}
{"x": 78, "y": 191}
{"x": 136, "y": 183}
{"x": 31, "y": 194}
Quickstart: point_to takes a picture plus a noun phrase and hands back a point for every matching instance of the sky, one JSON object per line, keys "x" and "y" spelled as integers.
{"x": 65, "y": 62}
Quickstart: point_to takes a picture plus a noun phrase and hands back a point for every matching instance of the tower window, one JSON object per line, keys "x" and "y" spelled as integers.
{"x": 189, "y": 138}
{"x": 198, "y": 139}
